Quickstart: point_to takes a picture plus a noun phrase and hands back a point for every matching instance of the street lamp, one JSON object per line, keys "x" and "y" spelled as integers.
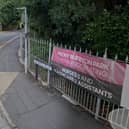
{"x": 25, "y": 31}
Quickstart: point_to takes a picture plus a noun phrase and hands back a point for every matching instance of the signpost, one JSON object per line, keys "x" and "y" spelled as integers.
{"x": 25, "y": 29}
{"x": 39, "y": 63}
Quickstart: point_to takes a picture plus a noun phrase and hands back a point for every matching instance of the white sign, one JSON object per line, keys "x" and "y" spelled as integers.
{"x": 41, "y": 64}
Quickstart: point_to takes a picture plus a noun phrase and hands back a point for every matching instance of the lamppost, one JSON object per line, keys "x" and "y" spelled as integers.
{"x": 25, "y": 31}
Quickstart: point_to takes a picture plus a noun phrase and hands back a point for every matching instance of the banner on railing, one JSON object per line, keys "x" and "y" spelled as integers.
{"x": 101, "y": 76}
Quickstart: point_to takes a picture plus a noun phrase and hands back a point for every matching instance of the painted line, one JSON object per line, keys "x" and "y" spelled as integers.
{"x": 6, "y": 115}
{"x": 4, "y": 44}
{"x": 6, "y": 79}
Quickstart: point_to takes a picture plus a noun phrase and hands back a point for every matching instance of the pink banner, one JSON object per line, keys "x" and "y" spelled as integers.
{"x": 97, "y": 67}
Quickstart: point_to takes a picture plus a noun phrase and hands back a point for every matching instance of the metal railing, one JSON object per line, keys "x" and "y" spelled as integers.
{"x": 100, "y": 108}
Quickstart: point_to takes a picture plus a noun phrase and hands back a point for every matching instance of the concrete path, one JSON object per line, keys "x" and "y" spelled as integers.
{"x": 32, "y": 107}
{"x": 6, "y": 78}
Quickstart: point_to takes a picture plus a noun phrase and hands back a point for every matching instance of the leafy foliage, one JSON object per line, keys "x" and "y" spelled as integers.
{"x": 8, "y": 14}
{"x": 109, "y": 30}
{"x": 68, "y": 18}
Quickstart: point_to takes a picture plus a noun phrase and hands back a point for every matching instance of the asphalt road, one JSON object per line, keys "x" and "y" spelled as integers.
{"x": 4, "y": 36}
{"x": 8, "y": 54}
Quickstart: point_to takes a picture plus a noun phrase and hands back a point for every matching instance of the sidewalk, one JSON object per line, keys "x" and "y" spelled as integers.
{"x": 6, "y": 78}
{"x": 31, "y": 106}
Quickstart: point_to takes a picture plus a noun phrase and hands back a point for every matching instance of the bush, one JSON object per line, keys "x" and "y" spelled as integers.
{"x": 109, "y": 30}
{"x": 8, "y": 13}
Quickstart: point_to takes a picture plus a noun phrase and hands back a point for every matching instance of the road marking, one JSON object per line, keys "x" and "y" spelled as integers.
{"x": 6, "y": 79}
{"x": 1, "y": 46}
{"x": 8, "y": 41}
{"x": 6, "y": 116}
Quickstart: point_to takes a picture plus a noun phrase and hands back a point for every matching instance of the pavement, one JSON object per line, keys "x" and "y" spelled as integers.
{"x": 6, "y": 78}
{"x": 29, "y": 105}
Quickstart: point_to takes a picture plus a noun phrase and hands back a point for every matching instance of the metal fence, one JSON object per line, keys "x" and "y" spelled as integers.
{"x": 100, "y": 108}
{"x": 39, "y": 49}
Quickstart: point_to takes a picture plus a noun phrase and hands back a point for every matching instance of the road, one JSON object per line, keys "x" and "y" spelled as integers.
{"x": 8, "y": 55}
{"x": 4, "y": 36}
{"x": 33, "y": 107}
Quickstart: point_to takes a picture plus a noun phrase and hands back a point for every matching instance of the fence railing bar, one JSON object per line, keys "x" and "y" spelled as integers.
{"x": 84, "y": 100}
{"x": 98, "y": 105}
{"x": 65, "y": 46}
{"x": 103, "y": 109}
{"x": 113, "y": 107}
{"x": 105, "y": 53}
{"x": 82, "y": 97}
{"x": 70, "y": 47}
{"x": 97, "y": 53}
{"x": 61, "y": 45}
{"x": 117, "y": 115}
{"x": 87, "y": 101}
{"x": 91, "y": 102}
{"x": 73, "y": 91}
{"x": 116, "y": 57}
{"x": 70, "y": 88}
{"x": 86, "y": 51}
{"x": 94, "y": 103}
{"x": 80, "y": 50}
{"x": 127, "y": 121}
{"x": 90, "y": 52}
{"x": 127, "y": 59}
{"x": 75, "y": 48}
{"x": 122, "y": 117}
{"x": 76, "y": 94}
{"x": 108, "y": 110}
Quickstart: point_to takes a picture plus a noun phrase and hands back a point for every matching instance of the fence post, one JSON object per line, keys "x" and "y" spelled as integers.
{"x": 61, "y": 45}
{"x": 105, "y": 54}
{"x": 127, "y": 59}
{"x": 65, "y": 46}
{"x": 80, "y": 49}
{"x": 90, "y": 52}
{"x": 26, "y": 56}
{"x": 49, "y": 61}
{"x": 29, "y": 52}
{"x": 36, "y": 72}
{"x": 116, "y": 57}
{"x": 97, "y": 53}
{"x": 70, "y": 47}
{"x": 21, "y": 45}
{"x": 86, "y": 51}
{"x": 75, "y": 48}
{"x": 98, "y": 104}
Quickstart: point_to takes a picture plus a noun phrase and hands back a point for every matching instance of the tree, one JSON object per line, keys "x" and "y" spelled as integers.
{"x": 109, "y": 30}
{"x": 68, "y": 17}
{"x": 8, "y": 14}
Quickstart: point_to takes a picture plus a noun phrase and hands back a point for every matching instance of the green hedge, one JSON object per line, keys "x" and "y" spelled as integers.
{"x": 109, "y": 30}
